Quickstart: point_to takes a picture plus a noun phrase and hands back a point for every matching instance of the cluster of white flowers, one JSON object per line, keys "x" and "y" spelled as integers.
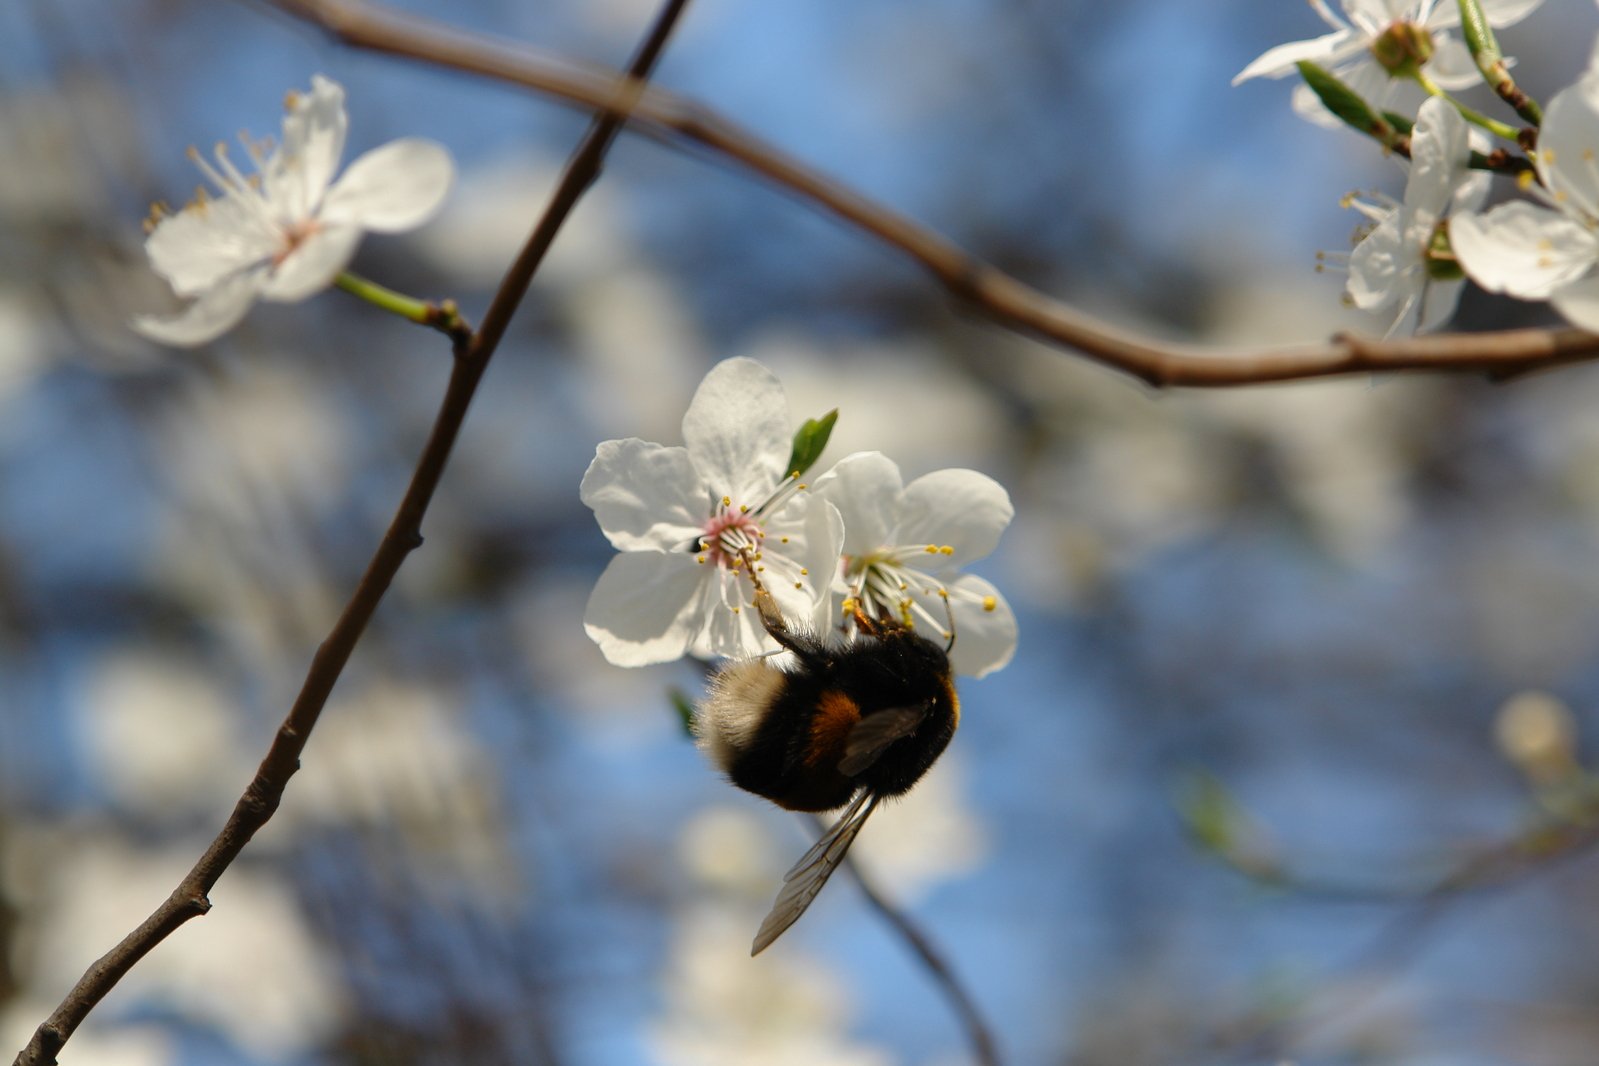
{"x": 690, "y": 521}
{"x": 1414, "y": 256}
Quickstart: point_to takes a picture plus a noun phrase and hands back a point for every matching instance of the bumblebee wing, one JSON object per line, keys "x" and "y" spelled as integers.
{"x": 872, "y": 735}
{"x": 805, "y": 880}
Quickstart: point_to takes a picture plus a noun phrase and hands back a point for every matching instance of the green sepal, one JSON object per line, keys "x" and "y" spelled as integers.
{"x": 1479, "y": 35}
{"x": 1345, "y": 103}
{"x": 684, "y": 708}
{"x": 809, "y": 442}
{"x": 1491, "y": 63}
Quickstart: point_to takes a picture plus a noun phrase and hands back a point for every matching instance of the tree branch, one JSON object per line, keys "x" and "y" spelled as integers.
{"x": 982, "y": 1040}
{"x": 979, "y": 285}
{"x": 260, "y": 800}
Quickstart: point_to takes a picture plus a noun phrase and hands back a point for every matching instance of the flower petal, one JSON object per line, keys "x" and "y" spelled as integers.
{"x": 1379, "y": 265}
{"x": 1440, "y": 149}
{"x": 864, "y": 487}
{"x": 645, "y": 496}
{"x": 1472, "y": 191}
{"x": 641, "y": 608}
{"x": 1451, "y": 65}
{"x": 392, "y": 188}
{"x": 208, "y": 242}
{"x": 737, "y": 430}
{"x": 1567, "y": 142}
{"x": 313, "y": 265}
{"x": 718, "y": 631}
{"x": 1504, "y": 12}
{"x": 300, "y": 172}
{"x": 984, "y": 640}
{"x": 1579, "y": 303}
{"x": 216, "y": 311}
{"x": 1438, "y": 304}
{"x": 1276, "y": 62}
{"x": 960, "y": 508}
{"x": 1526, "y": 251}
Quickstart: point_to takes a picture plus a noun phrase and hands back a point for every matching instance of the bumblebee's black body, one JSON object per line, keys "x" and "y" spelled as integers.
{"x": 846, "y": 724}
{"x": 793, "y": 756}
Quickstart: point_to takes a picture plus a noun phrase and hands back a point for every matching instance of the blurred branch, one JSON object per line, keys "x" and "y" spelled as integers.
{"x": 260, "y": 800}
{"x": 977, "y": 284}
{"x": 1221, "y": 829}
{"x": 1564, "y": 829}
{"x": 977, "y": 1031}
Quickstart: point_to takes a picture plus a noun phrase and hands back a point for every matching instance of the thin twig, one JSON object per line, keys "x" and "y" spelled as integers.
{"x": 977, "y": 1030}
{"x": 1275, "y": 1032}
{"x": 260, "y": 800}
{"x": 972, "y": 282}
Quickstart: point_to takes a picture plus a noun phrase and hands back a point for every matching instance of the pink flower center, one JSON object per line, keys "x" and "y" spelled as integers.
{"x": 728, "y": 532}
{"x": 294, "y": 235}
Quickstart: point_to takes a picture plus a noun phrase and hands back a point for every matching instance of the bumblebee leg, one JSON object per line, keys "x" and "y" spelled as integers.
{"x": 771, "y": 617}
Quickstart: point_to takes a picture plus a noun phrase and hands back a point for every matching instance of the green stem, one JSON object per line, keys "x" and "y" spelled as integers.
{"x": 444, "y": 317}
{"x": 407, "y": 307}
{"x": 1476, "y": 118}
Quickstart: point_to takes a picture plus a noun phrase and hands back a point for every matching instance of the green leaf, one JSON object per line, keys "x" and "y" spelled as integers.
{"x": 684, "y": 708}
{"x": 1347, "y": 104}
{"x": 809, "y": 442}
{"x": 1210, "y": 812}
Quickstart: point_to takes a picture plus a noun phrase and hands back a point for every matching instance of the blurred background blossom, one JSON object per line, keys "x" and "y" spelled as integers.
{"x": 1331, "y": 596}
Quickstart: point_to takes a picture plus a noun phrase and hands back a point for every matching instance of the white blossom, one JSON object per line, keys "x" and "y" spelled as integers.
{"x": 689, "y": 520}
{"x": 1347, "y": 50}
{"x": 904, "y": 547}
{"x": 1394, "y": 266}
{"x": 1547, "y": 252}
{"x": 288, "y": 230}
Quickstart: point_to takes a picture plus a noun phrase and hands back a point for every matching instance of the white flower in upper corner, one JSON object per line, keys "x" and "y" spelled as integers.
{"x": 904, "y": 546}
{"x": 1547, "y": 253}
{"x": 287, "y": 231}
{"x": 1374, "y": 40}
{"x": 1404, "y": 260}
{"x": 685, "y": 519}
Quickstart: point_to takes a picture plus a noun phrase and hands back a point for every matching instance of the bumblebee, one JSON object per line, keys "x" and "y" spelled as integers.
{"x": 847, "y": 725}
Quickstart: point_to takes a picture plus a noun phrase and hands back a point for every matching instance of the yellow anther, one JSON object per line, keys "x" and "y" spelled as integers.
{"x": 1524, "y": 180}
{"x": 802, "y": 486}
{"x": 700, "y": 560}
{"x": 805, "y": 572}
{"x": 931, "y": 549}
{"x": 948, "y": 549}
{"x": 760, "y": 569}
{"x": 291, "y": 100}
{"x": 743, "y": 508}
{"x": 784, "y": 539}
{"x": 727, "y": 501}
{"x": 990, "y": 603}
{"x": 735, "y": 610}
{"x": 798, "y": 585}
